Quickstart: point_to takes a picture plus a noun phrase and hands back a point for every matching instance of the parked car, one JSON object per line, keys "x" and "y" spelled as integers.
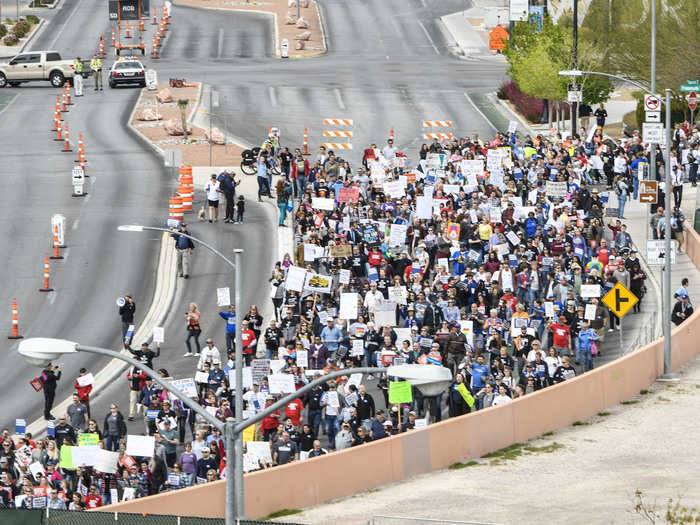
{"x": 36, "y": 65}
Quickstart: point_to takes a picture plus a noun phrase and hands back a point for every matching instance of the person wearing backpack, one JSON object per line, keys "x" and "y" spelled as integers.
{"x": 621, "y": 190}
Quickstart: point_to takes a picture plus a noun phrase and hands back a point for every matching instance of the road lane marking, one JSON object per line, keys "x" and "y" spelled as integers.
{"x": 87, "y": 197}
{"x": 480, "y": 112}
{"x": 52, "y": 297}
{"x": 65, "y": 24}
{"x": 273, "y": 96}
{"x": 76, "y": 222}
{"x": 339, "y": 98}
{"x": 428, "y": 37}
{"x": 65, "y": 253}
{"x": 93, "y": 180}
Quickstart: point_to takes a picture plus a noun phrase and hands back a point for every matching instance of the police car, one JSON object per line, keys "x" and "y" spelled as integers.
{"x": 127, "y": 70}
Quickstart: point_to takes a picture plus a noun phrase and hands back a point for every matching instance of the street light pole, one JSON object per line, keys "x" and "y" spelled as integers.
{"x": 667, "y": 244}
{"x": 234, "y": 445}
{"x": 574, "y": 105}
{"x": 652, "y": 146}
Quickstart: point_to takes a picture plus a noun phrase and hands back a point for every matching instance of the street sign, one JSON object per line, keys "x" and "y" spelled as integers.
{"x": 653, "y": 132}
{"x": 575, "y": 96}
{"x": 690, "y": 85}
{"x": 652, "y": 103}
{"x": 620, "y": 300}
{"x": 652, "y": 116}
{"x": 648, "y": 191}
{"x": 284, "y": 48}
{"x": 692, "y": 101}
{"x": 78, "y": 178}
{"x": 656, "y": 252}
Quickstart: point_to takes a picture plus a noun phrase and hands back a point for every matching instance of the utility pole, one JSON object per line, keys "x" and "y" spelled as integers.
{"x": 667, "y": 246}
{"x": 574, "y": 105}
{"x": 652, "y": 150}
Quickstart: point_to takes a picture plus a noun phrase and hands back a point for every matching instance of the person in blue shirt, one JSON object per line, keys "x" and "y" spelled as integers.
{"x": 230, "y": 318}
{"x": 331, "y": 336}
{"x": 216, "y": 376}
{"x": 479, "y": 373}
{"x": 460, "y": 258}
{"x": 530, "y": 225}
{"x": 586, "y": 336}
{"x": 637, "y": 167}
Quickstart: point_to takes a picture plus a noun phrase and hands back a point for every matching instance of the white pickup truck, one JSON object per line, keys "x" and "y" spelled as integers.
{"x": 36, "y": 65}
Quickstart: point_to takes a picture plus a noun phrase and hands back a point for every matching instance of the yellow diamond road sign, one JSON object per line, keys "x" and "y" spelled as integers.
{"x": 620, "y": 300}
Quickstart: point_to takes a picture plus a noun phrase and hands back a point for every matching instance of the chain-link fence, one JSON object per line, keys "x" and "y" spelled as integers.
{"x": 66, "y": 517}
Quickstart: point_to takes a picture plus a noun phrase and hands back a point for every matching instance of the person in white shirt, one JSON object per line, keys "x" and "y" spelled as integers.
{"x": 502, "y": 397}
{"x": 389, "y": 151}
{"x": 373, "y": 298}
{"x": 213, "y": 192}
{"x": 209, "y": 354}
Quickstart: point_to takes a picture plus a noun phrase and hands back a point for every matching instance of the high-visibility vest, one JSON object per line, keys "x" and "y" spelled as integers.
{"x": 95, "y": 64}
{"x": 78, "y": 66}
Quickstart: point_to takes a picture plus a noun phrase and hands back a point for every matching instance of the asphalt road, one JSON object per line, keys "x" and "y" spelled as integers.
{"x": 387, "y": 66}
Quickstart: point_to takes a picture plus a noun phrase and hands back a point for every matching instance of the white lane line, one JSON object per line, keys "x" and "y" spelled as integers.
{"x": 220, "y": 47}
{"x": 9, "y": 103}
{"x": 87, "y": 197}
{"x": 273, "y": 96}
{"x": 76, "y": 222}
{"x": 52, "y": 297}
{"x": 93, "y": 180}
{"x": 339, "y": 98}
{"x": 65, "y": 24}
{"x": 387, "y": 57}
{"x": 480, "y": 113}
{"x": 427, "y": 35}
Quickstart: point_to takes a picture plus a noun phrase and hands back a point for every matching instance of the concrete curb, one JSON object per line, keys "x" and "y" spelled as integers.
{"x": 142, "y": 137}
{"x": 163, "y": 294}
{"x": 37, "y": 31}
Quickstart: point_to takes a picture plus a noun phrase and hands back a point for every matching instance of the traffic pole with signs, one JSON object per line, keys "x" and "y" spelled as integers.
{"x": 78, "y": 182}
{"x": 620, "y": 301}
{"x": 648, "y": 191}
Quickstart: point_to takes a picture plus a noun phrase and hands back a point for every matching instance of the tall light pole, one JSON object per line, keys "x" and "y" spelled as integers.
{"x": 652, "y": 146}
{"x": 667, "y": 212}
{"x": 574, "y": 105}
{"x": 234, "y": 444}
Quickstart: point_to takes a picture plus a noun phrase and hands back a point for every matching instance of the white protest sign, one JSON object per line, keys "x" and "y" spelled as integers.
{"x": 315, "y": 282}
{"x": 85, "y": 380}
{"x": 513, "y": 238}
{"x": 452, "y": 189}
{"x": 186, "y": 386}
{"x": 333, "y": 399}
{"x": 397, "y": 237}
{"x": 201, "y": 377}
{"x": 141, "y": 446}
{"x": 276, "y": 365}
{"x": 394, "y": 189}
{"x": 36, "y": 468}
{"x": 420, "y": 423}
{"x": 106, "y": 461}
{"x": 246, "y": 372}
{"x": 473, "y": 168}
{"x": 303, "y": 358}
{"x": 159, "y": 334}
{"x": 495, "y": 214}
{"x": 344, "y": 276}
{"x": 355, "y": 379}
{"x": 320, "y": 203}
{"x": 281, "y": 383}
{"x": 512, "y": 126}
{"x": 296, "y": 277}
{"x": 549, "y": 309}
{"x": 556, "y": 190}
{"x": 348, "y": 306}
{"x": 358, "y": 348}
{"x": 590, "y": 290}
{"x": 398, "y": 294}
{"x": 590, "y": 312}
{"x": 260, "y": 449}
{"x": 223, "y": 296}
{"x": 424, "y": 207}
{"x": 385, "y": 314}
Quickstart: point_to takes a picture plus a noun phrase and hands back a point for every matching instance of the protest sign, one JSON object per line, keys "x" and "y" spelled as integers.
{"x": 344, "y": 276}
{"x": 385, "y": 314}
{"x": 358, "y": 348}
{"x": 355, "y": 379}
{"x": 348, "y": 306}
{"x": 261, "y": 368}
{"x": 223, "y": 296}
{"x": 590, "y": 290}
{"x": 397, "y": 236}
{"x": 424, "y": 207}
{"x": 260, "y": 449}
{"x": 106, "y": 461}
{"x": 281, "y": 383}
{"x": 398, "y": 294}
{"x": 142, "y": 446}
{"x": 159, "y": 334}
{"x": 341, "y": 250}
{"x": 348, "y": 194}
{"x": 590, "y": 312}
{"x": 88, "y": 439}
{"x": 186, "y": 386}
{"x": 85, "y": 380}
{"x": 321, "y": 203}
{"x": 400, "y": 392}
{"x": 316, "y": 282}
{"x": 303, "y": 358}
{"x": 556, "y": 190}
{"x": 296, "y": 277}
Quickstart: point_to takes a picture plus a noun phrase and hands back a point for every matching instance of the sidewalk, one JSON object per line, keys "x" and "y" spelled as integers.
{"x": 470, "y": 28}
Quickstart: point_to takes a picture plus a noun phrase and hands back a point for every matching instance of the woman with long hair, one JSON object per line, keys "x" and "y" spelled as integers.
{"x": 193, "y": 329}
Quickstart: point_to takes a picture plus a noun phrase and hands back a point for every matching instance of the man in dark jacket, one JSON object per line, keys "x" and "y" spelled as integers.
{"x": 206, "y": 463}
{"x": 48, "y": 380}
{"x": 184, "y": 247}
{"x": 228, "y": 185}
{"x": 126, "y": 312}
{"x": 682, "y": 310}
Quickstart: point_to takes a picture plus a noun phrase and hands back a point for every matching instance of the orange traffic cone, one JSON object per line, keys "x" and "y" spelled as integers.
{"x": 47, "y": 287}
{"x": 59, "y": 135}
{"x": 114, "y": 38}
{"x": 15, "y": 322}
{"x": 56, "y": 246}
{"x": 102, "y": 46}
{"x": 66, "y": 141}
{"x": 63, "y": 101}
{"x": 155, "y": 17}
{"x": 306, "y": 141}
{"x": 68, "y": 99}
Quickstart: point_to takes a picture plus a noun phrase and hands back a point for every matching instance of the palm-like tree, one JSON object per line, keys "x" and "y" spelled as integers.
{"x": 182, "y": 104}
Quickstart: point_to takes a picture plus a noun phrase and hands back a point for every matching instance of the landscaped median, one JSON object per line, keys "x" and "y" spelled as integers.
{"x": 305, "y": 36}
{"x": 158, "y": 117}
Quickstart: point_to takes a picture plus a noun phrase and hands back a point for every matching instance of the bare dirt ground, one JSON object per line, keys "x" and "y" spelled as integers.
{"x": 587, "y": 473}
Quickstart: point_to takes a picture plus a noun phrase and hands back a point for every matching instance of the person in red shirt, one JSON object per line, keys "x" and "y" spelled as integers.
{"x": 93, "y": 500}
{"x": 83, "y": 391}
{"x": 269, "y": 424}
{"x": 603, "y": 253}
{"x": 562, "y": 336}
{"x": 374, "y": 258}
{"x": 293, "y": 411}
{"x": 248, "y": 342}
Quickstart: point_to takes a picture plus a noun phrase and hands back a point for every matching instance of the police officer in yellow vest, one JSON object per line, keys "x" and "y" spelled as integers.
{"x": 78, "y": 66}
{"x": 96, "y": 68}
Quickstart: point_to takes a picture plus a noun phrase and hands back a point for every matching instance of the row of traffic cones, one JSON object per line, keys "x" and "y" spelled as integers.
{"x": 160, "y": 32}
{"x": 14, "y": 334}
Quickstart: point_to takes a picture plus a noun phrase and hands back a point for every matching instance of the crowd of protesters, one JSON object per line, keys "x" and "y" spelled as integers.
{"x": 486, "y": 257}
